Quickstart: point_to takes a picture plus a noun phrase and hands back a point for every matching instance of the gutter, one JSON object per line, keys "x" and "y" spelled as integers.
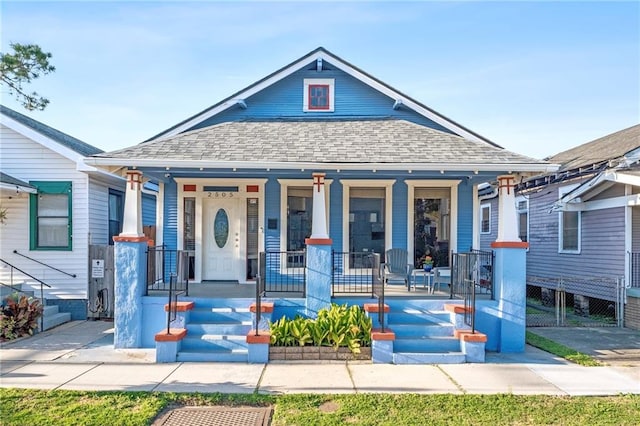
{"x": 441, "y": 167}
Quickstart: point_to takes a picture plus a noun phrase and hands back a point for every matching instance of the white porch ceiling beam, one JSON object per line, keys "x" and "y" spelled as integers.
{"x": 623, "y": 201}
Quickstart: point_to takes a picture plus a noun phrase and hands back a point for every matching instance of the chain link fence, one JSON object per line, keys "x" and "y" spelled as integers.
{"x": 575, "y": 301}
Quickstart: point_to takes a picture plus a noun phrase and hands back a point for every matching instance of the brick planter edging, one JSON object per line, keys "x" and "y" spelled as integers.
{"x": 325, "y": 353}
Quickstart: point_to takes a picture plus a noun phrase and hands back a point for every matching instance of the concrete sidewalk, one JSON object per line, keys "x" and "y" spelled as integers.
{"x": 80, "y": 356}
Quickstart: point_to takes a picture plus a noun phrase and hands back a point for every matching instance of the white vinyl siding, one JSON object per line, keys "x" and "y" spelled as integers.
{"x": 29, "y": 161}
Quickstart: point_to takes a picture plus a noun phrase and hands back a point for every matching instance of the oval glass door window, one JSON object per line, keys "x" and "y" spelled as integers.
{"x": 221, "y": 228}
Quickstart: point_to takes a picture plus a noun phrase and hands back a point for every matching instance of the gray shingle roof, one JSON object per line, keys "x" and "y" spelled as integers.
{"x": 10, "y": 180}
{"x": 321, "y": 141}
{"x": 70, "y": 142}
{"x": 610, "y": 147}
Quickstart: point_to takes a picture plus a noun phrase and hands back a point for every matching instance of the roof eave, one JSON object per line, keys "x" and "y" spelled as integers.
{"x": 205, "y": 164}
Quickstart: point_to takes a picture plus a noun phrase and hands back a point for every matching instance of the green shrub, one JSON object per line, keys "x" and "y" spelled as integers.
{"x": 337, "y": 326}
{"x": 19, "y": 317}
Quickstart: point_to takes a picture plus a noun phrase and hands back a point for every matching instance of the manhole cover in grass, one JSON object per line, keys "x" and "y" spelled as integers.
{"x": 215, "y": 416}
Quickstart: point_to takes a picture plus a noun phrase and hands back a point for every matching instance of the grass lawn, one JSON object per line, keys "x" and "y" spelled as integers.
{"x": 39, "y": 407}
{"x": 565, "y": 352}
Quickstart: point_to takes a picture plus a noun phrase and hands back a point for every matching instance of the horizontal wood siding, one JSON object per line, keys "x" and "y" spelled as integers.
{"x": 335, "y": 221}
{"x": 272, "y": 211}
{"x": 353, "y": 98}
{"x": 148, "y": 209}
{"x": 635, "y": 229}
{"x": 98, "y": 212}
{"x": 602, "y": 244}
{"x": 170, "y": 236}
{"x": 399, "y": 207}
{"x": 465, "y": 217}
{"x": 487, "y": 239}
{"x": 29, "y": 161}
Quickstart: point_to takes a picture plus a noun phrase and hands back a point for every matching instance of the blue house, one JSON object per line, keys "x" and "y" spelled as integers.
{"x": 240, "y": 180}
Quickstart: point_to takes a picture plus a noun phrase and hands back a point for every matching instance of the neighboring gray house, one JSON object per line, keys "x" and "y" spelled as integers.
{"x": 582, "y": 222}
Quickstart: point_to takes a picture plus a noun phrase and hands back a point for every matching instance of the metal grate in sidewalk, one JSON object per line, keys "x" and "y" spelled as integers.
{"x": 215, "y": 416}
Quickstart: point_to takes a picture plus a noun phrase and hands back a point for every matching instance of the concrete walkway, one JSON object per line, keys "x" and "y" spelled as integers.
{"x": 80, "y": 355}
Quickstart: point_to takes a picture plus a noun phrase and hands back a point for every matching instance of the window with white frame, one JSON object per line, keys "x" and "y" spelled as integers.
{"x": 367, "y": 210}
{"x": 522, "y": 211}
{"x": 318, "y": 95}
{"x": 569, "y": 227}
{"x": 297, "y": 211}
{"x": 485, "y": 219}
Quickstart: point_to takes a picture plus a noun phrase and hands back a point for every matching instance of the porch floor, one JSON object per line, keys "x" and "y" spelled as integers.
{"x": 232, "y": 290}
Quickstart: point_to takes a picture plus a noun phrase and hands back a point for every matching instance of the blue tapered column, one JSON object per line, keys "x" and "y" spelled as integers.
{"x": 318, "y": 253}
{"x": 510, "y": 291}
{"x": 318, "y": 276}
{"x": 130, "y": 282}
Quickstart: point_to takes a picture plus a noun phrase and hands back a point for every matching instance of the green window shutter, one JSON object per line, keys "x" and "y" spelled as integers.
{"x": 50, "y": 212}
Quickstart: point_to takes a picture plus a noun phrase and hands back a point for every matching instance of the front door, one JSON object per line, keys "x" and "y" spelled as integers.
{"x": 221, "y": 240}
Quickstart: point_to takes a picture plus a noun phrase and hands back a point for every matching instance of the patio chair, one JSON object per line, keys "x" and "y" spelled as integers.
{"x": 440, "y": 276}
{"x": 397, "y": 268}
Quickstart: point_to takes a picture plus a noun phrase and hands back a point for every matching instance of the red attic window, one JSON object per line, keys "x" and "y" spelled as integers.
{"x": 318, "y": 97}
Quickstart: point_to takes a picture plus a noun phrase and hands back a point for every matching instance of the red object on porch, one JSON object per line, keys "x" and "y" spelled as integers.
{"x": 176, "y": 335}
{"x": 468, "y": 336}
{"x": 189, "y": 188}
{"x": 253, "y": 188}
{"x": 373, "y": 308}
{"x": 265, "y": 307}
{"x": 180, "y": 306}
{"x": 509, "y": 244}
{"x": 263, "y": 337}
{"x": 376, "y": 334}
{"x": 456, "y": 309}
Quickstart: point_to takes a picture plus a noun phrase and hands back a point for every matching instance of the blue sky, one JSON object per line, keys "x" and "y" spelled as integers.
{"x": 535, "y": 77}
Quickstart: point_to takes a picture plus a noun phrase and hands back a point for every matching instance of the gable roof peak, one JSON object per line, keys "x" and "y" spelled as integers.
{"x": 68, "y": 141}
{"x": 344, "y": 66}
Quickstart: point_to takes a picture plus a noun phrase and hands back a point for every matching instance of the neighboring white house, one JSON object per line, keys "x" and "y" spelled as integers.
{"x": 55, "y": 207}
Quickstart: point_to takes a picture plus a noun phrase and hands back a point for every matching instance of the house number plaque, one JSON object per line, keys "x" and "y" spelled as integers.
{"x": 220, "y": 195}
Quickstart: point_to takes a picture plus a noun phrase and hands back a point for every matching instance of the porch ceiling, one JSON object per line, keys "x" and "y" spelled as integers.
{"x": 350, "y": 144}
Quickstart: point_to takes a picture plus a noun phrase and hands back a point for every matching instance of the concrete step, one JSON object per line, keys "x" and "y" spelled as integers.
{"x": 428, "y": 358}
{"x": 52, "y": 317}
{"x": 226, "y": 314}
{"x": 412, "y": 318}
{"x": 420, "y": 331}
{"x": 220, "y": 328}
{"x": 203, "y": 303}
{"x": 8, "y": 291}
{"x": 212, "y": 342}
{"x": 427, "y": 344}
{"x": 214, "y": 356}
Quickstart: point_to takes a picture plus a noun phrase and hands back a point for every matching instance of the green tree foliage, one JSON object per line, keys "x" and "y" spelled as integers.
{"x": 26, "y": 63}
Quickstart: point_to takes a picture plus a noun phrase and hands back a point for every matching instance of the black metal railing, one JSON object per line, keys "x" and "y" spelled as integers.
{"x": 44, "y": 264}
{"x": 470, "y": 304}
{"x": 162, "y": 263}
{"x": 283, "y": 272}
{"x": 378, "y": 286}
{"x": 475, "y": 265}
{"x": 471, "y": 272}
{"x": 174, "y": 293}
{"x": 260, "y": 292}
{"x": 352, "y": 272}
{"x": 38, "y": 280}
